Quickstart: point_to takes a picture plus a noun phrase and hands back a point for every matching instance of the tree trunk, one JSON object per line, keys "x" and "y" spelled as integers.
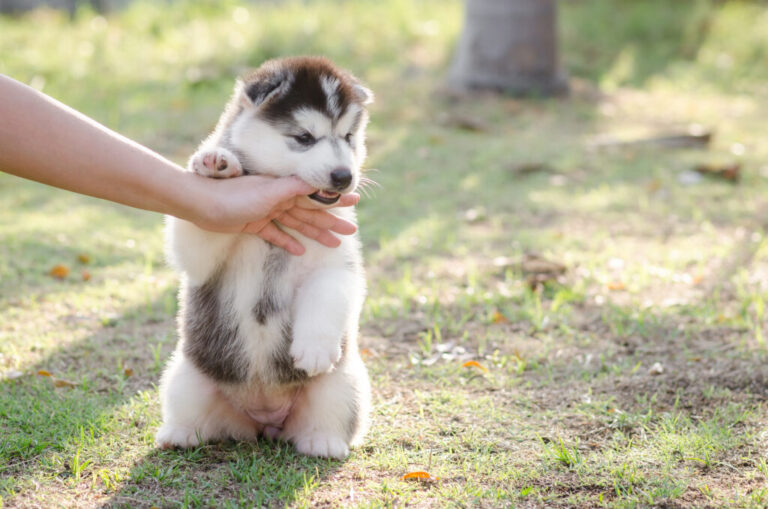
{"x": 509, "y": 46}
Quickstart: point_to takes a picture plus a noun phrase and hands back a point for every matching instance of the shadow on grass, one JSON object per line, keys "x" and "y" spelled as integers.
{"x": 78, "y": 434}
{"x": 233, "y": 474}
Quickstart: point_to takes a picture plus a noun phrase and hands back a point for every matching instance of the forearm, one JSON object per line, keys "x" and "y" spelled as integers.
{"x": 81, "y": 155}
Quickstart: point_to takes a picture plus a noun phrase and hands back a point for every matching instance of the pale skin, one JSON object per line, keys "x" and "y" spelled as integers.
{"x": 44, "y": 140}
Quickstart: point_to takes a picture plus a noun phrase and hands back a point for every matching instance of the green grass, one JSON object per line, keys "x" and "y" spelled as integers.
{"x": 573, "y": 410}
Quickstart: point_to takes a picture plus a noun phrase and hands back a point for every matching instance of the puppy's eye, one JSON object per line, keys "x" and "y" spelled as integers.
{"x": 305, "y": 139}
{"x": 348, "y": 138}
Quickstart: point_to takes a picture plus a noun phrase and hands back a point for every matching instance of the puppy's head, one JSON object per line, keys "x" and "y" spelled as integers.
{"x": 302, "y": 116}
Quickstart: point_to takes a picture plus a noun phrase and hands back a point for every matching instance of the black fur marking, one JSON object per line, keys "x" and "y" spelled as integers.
{"x": 269, "y": 304}
{"x": 211, "y": 334}
{"x": 306, "y": 89}
{"x": 282, "y": 363}
{"x": 295, "y": 146}
{"x": 259, "y": 90}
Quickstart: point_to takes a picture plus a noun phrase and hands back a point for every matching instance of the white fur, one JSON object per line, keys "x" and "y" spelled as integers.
{"x": 325, "y": 290}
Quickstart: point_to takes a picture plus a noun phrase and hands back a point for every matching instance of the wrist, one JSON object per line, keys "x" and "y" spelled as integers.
{"x": 188, "y": 198}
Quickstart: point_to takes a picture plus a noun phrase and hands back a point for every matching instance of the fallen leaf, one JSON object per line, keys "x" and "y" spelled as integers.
{"x": 536, "y": 264}
{"x": 463, "y": 122}
{"x": 694, "y": 137}
{"x": 83, "y": 258}
{"x": 616, "y": 286}
{"x": 474, "y": 364}
{"x": 60, "y": 382}
{"x": 128, "y": 372}
{"x": 498, "y": 317}
{"x": 59, "y": 271}
{"x": 529, "y": 168}
{"x": 86, "y": 275}
{"x": 653, "y": 185}
{"x": 730, "y": 172}
{"x": 538, "y": 270}
{"x": 44, "y": 372}
{"x": 420, "y": 475}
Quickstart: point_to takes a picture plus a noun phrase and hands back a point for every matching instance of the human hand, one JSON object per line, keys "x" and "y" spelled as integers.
{"x": 250, "y": 204}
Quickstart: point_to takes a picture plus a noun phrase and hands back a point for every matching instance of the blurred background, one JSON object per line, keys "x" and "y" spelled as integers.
{"x": 571, "y": 193}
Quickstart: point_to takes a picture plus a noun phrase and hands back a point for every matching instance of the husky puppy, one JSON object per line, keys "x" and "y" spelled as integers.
{"x": 268, "y": 341}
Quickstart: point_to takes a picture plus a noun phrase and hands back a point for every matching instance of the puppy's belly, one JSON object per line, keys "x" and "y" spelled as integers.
{"x": 267, "y": 406}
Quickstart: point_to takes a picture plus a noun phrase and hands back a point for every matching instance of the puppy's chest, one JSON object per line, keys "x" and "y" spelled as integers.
{"x": 238, "y": 324}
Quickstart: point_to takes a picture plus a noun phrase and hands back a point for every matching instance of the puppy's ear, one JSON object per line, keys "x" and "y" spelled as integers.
{"x": 262, "y": 86}
{"x": 362, "y": 93}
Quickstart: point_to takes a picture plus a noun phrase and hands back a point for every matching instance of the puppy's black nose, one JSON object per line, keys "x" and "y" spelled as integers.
{"x": 340, "y": 178}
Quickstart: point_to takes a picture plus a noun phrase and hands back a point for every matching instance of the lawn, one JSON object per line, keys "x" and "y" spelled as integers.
{"x": 626, "y": 369}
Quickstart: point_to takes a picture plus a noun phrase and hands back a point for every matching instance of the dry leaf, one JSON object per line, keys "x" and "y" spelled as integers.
{"x": 730, "y": 172}
{"x": 83, "y": 258}
{"x": 525, "y": 169}
{"x": 128, "y": 372}
{"x": 367, "y": 352}
{"x": 538, "y": 270}
{"x": 463, "y": 122}
{"x": 60, "y": 382}
{"x": 44, "y": 372}
{"x": 616, "y": 286}
{"x": 59, "y": 271}
{"x": 498, "y": 317}
{"x": 475, "y": 364}
{"x": 420, "y": 475}
{"x": 535, "y": 264}
{"x": 86, "y": 275}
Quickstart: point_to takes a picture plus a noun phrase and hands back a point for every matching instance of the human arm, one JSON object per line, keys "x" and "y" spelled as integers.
{"x": 44, "y": 140}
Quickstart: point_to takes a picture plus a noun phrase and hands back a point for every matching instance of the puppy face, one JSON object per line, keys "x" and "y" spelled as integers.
{"x": 304, "y": 117}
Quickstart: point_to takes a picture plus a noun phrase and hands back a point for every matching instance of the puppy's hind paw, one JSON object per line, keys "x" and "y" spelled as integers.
{"x": 323, "y": 445}
{"x": 215, "y": 163}
{"x": 169, "y": 437}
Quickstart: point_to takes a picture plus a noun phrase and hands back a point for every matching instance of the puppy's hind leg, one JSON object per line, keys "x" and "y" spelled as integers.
{"x": 194, "y": 410}
{"x": 331, "y": 412}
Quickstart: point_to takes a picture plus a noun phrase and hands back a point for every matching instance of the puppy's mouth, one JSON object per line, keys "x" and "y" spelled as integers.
{"x": 325, "y": 197}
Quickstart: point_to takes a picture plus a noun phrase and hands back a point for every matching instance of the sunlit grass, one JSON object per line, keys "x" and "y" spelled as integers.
{"x": 571, "y": 411}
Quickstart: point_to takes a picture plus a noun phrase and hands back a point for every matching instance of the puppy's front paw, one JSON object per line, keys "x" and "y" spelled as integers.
{"x": 217, "y": 163}
{"x": 316, "y": 357}
{"x": 322, "y": 444}
{"x": 169, "y": 437}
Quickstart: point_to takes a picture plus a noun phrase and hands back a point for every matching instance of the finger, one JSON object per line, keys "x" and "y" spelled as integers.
{"x": 323, "y": 220}
{"x": 255, "y": 226}
{"x": 278, "y": 237}
{"x": 348, "y": 200}
{"x": 323, "y": 236}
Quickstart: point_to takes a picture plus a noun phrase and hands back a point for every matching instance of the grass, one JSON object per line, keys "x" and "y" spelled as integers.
{"x": 637, "y": 379}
